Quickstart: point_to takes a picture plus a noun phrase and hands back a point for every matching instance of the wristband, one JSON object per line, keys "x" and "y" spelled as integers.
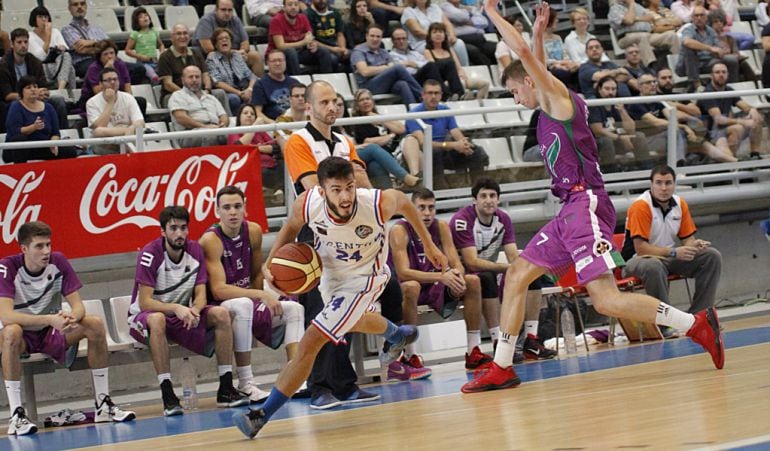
{"x": 672, "y": 254}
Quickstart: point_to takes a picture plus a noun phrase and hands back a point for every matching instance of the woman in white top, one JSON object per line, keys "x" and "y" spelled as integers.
{"x": 44, "y": 39}
{"x": 575, "y": 42}
{"x": 503, "y": 54}
{"x": 556, "y": 58}
{"x": 418, "y": 16}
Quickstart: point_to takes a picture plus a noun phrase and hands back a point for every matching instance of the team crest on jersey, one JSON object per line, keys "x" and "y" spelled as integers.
{"x": 552, "y": 153}
{"x": 363, "y": 231}
{"x": 602, "y": 246}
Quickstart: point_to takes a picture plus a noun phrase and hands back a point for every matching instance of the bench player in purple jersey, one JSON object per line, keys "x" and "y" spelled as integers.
{"x": 169, "y": 304}
{"x": 233, "y": 251}
{"x": 349, "y": 231}
{"x": 480, "y": 232}
{"x": 423, "y": 284}
{"x": 33, "y": 286}
{"x": 581, "y": 233}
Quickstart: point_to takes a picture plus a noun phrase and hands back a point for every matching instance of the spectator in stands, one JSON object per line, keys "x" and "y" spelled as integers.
{"x": 576, "y": 40}
{"x": 635, "y": 67}
{"x": 376, "y": 143}
{"x": 31, "y": 119}
{"x": 358, "y": 22}
{"x": 615, "y": 132}
{"x": 657, "y": 221}
{"x": 556, "y": 58}
{"x": 384, "y": 11}
{"x": 263, "y": 11}
{"x": 17, "y": 62}
{"x": 594, "y": 69}
{"x": 416, "y": 19}
{"x": 745, "y": 41}
{"x": 291, "y": 32}
{"x": 723, "y": 124}
{"x": 663, "y": 18}
{"x": 329, "y": 32}
{"x": 481, "y": 232}
{"x": 229, "y": 71}
{"x": 173, "y": 61}
{"x": 761, "y": 13}
{"x": 47, "y": 45}
{"x": 107, "y": 56}
{"x": 269, "y": 150}
{"x": 440, "y": 288}
{"x": 470, "y": 23}
{"x": 451, "y": 149}
{"x": 683, "y": 9}
{"x": 687, "y": 112}
{"x": 731, "y": 54}
{"x": 633, "y": 24}
{"x": 297, "y": 111}
{"x": 192, "y": 109}
{"x": 223, "y": 16}
{"x": 700, "y": 50}
{"x": 112, "y": 112}
{"x": 456, "y": 82}
{"x": 504, "y": 54}
{"x": 83, "y": 40}
{"x": 47, "y": 277}
{"x": 271, "y": 92}
{"x": 169, "y": 304}
{"x": 144, "y": 43}
{"x": 414, "y": 61}
{"x": 375, "y": 70}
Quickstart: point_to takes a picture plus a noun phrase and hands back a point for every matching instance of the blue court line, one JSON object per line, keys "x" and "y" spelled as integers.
{"x": 65, "y": 438}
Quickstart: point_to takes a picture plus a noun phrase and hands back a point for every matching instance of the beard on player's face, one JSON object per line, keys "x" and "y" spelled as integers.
{"x": 176, "y": 244}
{"x": 336, "y": 209}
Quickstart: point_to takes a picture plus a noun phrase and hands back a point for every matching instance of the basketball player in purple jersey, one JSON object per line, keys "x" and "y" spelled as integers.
{"x": 169, "y": 303}
{"x": 581, "y": 233}
{"x": 33, "y": 285}
{"x": 349, "y": 229}
{"x": 233, "y": 251}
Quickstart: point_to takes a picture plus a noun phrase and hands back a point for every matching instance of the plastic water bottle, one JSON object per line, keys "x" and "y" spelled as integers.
{"x": 189, "y": 389}
{"x": 568, "y": 330}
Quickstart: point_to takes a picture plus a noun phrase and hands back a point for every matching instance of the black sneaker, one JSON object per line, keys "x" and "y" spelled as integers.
{"x": 230, "y": 397}
{"x": 534, "y": 350}
{"x": 171, "y": 405}
{"x": 250, "y": 422}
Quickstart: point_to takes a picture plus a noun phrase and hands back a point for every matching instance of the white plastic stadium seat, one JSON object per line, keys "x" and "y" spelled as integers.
{"x": 148, "y": 93}
{"x": 95, "y": 307}
{"x": 181, "y": 14}
{"x": 468, "y": 121}
{"x": 505, "y": 118}
{"x": 152, "y": 145}
{"x": 119, "y": 315}
{"x": 498, "y": 151}
{"x": 340, "y": 83}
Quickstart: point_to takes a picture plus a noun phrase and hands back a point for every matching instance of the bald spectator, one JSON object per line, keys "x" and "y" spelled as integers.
{"x": 291, "y": 32}
{"x": 635, "y": 67}
{"x": 224, "y": 16}
{"x": 193, "y": 109}
{"x": 633, "y": 24}
{"x": 700, "y": 50}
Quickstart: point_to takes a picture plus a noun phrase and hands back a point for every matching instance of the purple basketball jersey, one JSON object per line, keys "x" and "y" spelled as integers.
{"x": 488, "y": 239}
{"x": 236, "y": 258}
{"x": 569, "y": 150}
{"x": 415, "y": 249}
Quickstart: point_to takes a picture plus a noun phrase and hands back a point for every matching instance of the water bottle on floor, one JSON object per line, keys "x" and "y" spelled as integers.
{"x": 189, "y": 382}
{"x": 568, "y": 331}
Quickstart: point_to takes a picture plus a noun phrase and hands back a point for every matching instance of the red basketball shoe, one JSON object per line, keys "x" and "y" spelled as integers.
{"x": 706, "y": 333}
{"x": 477, "y": 359}
{"x": 492, "y": 378}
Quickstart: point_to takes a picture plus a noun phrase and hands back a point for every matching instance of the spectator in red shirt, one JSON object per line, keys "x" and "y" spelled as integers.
{"x": 290, "y": 31}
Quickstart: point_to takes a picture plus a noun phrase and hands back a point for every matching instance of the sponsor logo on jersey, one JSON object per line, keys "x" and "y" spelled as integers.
{"x": 583, "y": 262}
{"x": 363, "y": 231}
{"x": 552, "y": 153}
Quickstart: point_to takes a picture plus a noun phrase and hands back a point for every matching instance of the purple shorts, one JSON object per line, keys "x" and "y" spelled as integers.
{"x": 262, "y": 326}
{"x": 581, "y": 234}
{"x": 199, "y": 340}
{"x": 48, "y": 341}
{"x": 436, "y": 296}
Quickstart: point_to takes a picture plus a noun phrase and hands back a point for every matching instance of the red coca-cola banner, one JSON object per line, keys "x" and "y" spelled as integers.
{"x": 110, "y": 204}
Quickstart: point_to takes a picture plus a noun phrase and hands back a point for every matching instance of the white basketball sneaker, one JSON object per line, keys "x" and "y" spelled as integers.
{"x": 254, "y": 393}
{"x": 19, "y": 424}
{"x": 107, "y": 411}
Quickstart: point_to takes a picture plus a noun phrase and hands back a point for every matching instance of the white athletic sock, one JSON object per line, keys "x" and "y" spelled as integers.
{"x": 530, "y": 328}
{"x": 101, "y": 382}
{"x": 245, "y": 376}
{"x": 164, "y": 377}
{"x": 224, "y": 369}
{"x": 505, "y": 348}
{"x": 411, "y": 349}
{"x": 494, "y": 333}
{"x": 474, "y": 339}
{"x": 13, "y": 389}
{"x": 671, "y": 316}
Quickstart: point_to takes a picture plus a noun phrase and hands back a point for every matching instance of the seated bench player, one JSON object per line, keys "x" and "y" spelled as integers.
{"x": 424, "y": 284}
{"x": 33, "y": 285}
{"x": 233, "y": 251}
{"x": 169, "y": 304}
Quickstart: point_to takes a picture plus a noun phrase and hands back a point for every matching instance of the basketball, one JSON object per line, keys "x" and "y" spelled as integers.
{"x": 296, "y": 268}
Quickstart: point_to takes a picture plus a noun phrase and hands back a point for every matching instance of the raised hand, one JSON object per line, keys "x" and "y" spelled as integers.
{"x": 542, "y": 14}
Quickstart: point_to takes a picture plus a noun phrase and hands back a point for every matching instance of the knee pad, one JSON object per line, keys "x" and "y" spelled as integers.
{"x": 294, "y": 318}
{"x": 241, "y": 312}
{"x": 240, "y": 308}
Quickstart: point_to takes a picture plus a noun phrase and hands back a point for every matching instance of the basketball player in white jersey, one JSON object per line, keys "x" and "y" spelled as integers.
{"x": 349, "y": 228}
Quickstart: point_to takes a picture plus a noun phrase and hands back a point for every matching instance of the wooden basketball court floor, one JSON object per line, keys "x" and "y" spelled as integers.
{"x": 659, "y": 395}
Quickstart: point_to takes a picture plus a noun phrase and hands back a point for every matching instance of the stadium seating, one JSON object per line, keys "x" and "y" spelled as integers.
{"x": 340, "y": 83}
{"x": 181, "y": 14}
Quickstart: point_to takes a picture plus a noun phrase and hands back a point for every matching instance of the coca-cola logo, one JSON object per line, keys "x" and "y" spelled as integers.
{"x": 111, "y": 201}
{"x": 17, "y": 212}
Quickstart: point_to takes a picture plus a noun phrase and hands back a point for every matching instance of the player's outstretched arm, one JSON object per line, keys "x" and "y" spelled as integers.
{"x": 393, "y": 202}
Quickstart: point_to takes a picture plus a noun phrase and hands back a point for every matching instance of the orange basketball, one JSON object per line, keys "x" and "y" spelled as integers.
{"x": 296, "y": 268}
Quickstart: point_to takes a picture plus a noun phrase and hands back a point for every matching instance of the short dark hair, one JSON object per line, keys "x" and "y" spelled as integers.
{"x": 423, "y": 194}
{"x": 230, "y": 189}
{"x": 604, "y": 80}
{"x": 334, "y": 168}
{"x": 484, "y": 183}
{"x": 173, "y": 212}
{"x": 594, "y": 39}
{"x": 297, "y": 86}
{"x": 431, "y": 82}
{"x": 31, "y": 230}
{"x": 274, "y": 50}
{"x": 19, "y": 33}
{"x": 37, "y": 12}
{"x": 238, "y": 117}
{"x": 103, "y": 45}
{"x": 24, "y": 82}
{"x": 514, "y": 71}
{"x": 662, "y": 169}
{"x": 106, "y": 70}
{"x": 135, "y": 18}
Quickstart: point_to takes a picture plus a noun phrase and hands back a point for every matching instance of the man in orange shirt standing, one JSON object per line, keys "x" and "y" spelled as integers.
{"x": 657, "y": 221}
